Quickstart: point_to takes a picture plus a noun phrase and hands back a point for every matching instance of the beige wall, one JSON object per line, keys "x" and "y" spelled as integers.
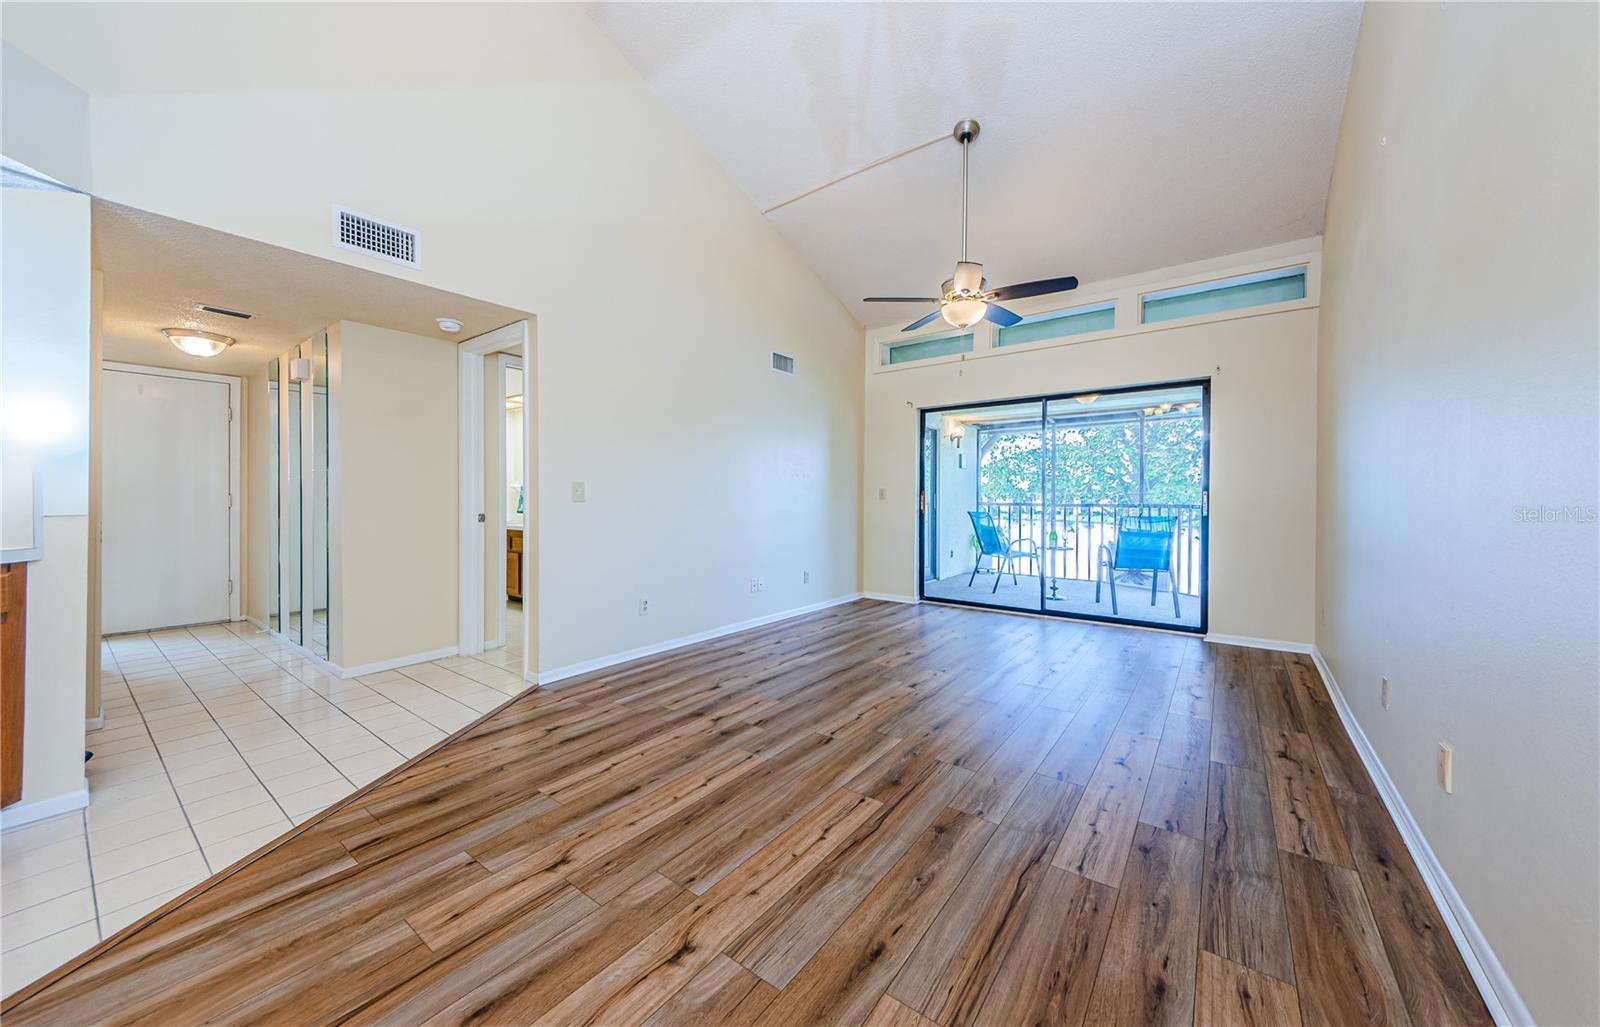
{"x": 1263, "y": 447}
{"x": 1458, "y": 384}
{"x": 91, "y": 640}
{"x": 543, "y": 175}
{"x": 394, "y": 523}
{"x": 45, "y": 363}
{"x": 256, "y": 524}
{"x": 44, "y": 119}
{"x": 55, "y": 679}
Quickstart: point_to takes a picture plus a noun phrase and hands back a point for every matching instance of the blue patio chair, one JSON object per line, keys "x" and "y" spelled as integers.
{"x": 1143, "y": 543}
{"x": 992, "y": 544}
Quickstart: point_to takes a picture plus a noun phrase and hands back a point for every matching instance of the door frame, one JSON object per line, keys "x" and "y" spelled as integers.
{"x": 928, "y": 503}
{"x": 1044, "y": 399}
{"x": 472, "y": 555}
{"x": 236, "y": 416}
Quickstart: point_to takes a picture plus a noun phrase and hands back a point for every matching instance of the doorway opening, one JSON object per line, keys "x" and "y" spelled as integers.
{"x": 1092, "y": 505}
{"x": 499, "y": 497}
{"x": 507, "y": 492}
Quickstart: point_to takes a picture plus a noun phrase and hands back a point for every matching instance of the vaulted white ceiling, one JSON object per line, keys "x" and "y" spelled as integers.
{"x": 1117, "y": 138}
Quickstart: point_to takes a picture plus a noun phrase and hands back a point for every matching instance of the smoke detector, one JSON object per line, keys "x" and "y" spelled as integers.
{"x": 448, "y": 324}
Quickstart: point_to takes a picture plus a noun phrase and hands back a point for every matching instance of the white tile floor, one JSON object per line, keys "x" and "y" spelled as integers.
{"x": 217, "y": 739}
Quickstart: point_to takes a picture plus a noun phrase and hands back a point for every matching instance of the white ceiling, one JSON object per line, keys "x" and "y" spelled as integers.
{"x": 1117, "y": 138}
{"x": 158, "y": 270}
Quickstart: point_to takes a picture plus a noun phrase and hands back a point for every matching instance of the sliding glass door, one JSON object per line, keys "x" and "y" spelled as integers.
{"x": 1088, "y": 504}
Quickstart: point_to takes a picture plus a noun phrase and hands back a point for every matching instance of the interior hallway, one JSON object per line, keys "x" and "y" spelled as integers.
{"x": 217, "y": 739}
{"x": 877, "y": 810}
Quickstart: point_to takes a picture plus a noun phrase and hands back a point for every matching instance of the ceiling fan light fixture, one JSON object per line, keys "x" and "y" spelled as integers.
{"x": 197, "y": 343}
{"x": 964, "y": 311}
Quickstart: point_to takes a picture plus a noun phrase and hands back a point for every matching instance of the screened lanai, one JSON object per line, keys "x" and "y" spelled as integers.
{"x": 1052, "y": 504}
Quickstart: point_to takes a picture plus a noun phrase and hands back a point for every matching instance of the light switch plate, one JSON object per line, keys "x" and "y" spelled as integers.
{"x": 578, "y": 492}
{"x": 1447, "y": 768}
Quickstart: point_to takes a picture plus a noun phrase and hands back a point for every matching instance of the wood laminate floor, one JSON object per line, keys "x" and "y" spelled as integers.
{"x": 881, "y": 814}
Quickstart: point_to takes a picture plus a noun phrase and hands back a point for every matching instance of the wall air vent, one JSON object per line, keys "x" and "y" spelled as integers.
{"x": 356, "y": 231}
{"x": 225, "y": 312}
{"x": 782, "y": 364}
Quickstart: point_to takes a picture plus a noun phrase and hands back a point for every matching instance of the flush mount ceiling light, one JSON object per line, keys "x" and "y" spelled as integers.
{"x": 964, "y": 299}
{"x": 197, "y": 343}
{"x": 448, "y": 324}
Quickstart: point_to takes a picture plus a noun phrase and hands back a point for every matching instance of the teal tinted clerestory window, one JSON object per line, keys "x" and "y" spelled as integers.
{"x": 1253, "y": 290}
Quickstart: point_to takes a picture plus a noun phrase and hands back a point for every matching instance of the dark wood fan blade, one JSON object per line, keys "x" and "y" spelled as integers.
{"x": 1001, "y": 316}
{"x": 900, "y": 299}
{"x": 1039, "y": 288}
{"x": 913, "y": 326}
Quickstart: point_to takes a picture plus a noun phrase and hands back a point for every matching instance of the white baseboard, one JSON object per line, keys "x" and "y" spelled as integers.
{"x": 42, "y": 809}
{"x": 1260, "y": 643}
{"x": 1499, "y": 993}
{"x": 397, "y": 662}
{"x": 889, "y": 597}
{"x": 94, "y": 723}
{"x": 365, "y": 668}
{"x": 572, "y": 670}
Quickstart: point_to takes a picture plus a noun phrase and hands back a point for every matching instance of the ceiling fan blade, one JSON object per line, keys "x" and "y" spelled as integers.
{"x": 968, "y": 276}
{"x": 913, "y": 326}
{"x": 1039, "y": 288}
{"x": 1001, "y": 316}
{"x": 900, "y": 299}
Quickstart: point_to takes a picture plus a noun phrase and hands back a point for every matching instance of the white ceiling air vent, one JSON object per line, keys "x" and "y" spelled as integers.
{"x": 782, "y": 364}
{"x": 355, "y": 231}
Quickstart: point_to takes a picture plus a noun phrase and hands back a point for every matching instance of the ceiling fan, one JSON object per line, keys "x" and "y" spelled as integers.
{"x": 964, "y": 299}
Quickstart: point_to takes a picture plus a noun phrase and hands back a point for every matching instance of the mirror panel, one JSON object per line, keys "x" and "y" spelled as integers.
{"x": 274, "y": 500}
{"x": 294, "y": 506}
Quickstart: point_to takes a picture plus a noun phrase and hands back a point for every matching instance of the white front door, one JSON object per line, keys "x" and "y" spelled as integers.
{"x": 165, "y": 541}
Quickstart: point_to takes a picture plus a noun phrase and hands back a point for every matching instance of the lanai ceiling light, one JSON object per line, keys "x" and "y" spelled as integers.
{"x": 965, "y": 298}
{"x": 197, "y": 343}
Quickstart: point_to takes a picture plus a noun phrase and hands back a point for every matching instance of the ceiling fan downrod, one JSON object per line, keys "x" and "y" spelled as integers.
{"x": 966, "y": 131}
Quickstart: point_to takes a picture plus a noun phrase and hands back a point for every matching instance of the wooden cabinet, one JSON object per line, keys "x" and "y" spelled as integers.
{"x": 514, "y": 563}
{"x": 13, "y": 639}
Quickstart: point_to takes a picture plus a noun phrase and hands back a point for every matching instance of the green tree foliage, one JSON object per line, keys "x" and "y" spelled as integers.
{"x": 1098, "y": 463}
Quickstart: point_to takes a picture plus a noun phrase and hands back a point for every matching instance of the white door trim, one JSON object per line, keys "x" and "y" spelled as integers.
{"x": 473, "y": 535}
{"x": 235, "y": 421}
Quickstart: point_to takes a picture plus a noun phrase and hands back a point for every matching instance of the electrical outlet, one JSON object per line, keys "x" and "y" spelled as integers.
{"x": 578, "y": 492}
{"x": 752, "y": 584}
{"x": 761, "y": 584}
{"x": 883, "y": 493}
{"x": 1386, "y": 693}
{"x": 1447, "y": 768}
{"x": 644, "y": 607}
{"x": 805, "y": 577}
